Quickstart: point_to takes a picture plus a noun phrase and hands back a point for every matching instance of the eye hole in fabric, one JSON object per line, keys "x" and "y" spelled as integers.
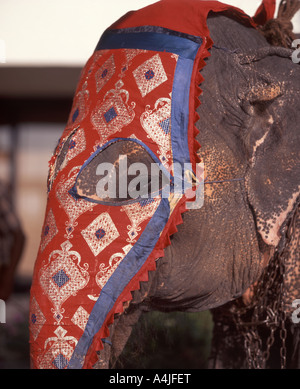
{"x": 122, "y": 171}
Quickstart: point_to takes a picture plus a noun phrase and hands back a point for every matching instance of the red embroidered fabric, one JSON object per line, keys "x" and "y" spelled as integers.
{"x": 92, "y": 255}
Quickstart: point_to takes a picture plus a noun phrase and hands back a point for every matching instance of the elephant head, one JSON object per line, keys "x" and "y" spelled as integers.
{"x": 248, "y": 130}
{"x": 249, "y": 146}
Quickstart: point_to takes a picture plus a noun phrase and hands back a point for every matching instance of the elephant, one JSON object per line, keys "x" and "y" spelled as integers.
{"x": 230, "y": 250}
{"x": 247, "y": 110}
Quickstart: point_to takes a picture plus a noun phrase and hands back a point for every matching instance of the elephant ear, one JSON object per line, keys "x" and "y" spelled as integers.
{"x": 272, "y": 140}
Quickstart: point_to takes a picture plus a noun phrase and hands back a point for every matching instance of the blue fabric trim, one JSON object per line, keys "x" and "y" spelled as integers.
{"x": 126, "y": 270}
{"x": 180, "y": 110}
{"x": 106, "y": 340}
{"x": 157, "y": 29}
{"x": 149, "y": 41}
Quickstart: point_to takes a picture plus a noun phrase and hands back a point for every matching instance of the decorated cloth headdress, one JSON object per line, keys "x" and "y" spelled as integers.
{"x": 135, "y": 102}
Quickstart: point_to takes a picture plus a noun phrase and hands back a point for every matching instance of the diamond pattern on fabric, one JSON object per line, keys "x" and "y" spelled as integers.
{"x": 57, "y": 350}
{"x": 37, "y": 318}
{"x": 80, "y": 317}
{"x": 60, "y": 362}
{"x": 150, "y": 75}
{"x": 165, "y": 125}
{"x": 110, "y": 115}
{"x": 100, "y": 233}
{"x": 60, "y": 278}
{"x": 49, "y": 231}
{"x": 157, "y": 123}
{"x": 104, "y": 73}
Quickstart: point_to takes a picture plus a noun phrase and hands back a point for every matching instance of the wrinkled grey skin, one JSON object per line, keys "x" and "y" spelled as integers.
{"x": 249, "y": 120}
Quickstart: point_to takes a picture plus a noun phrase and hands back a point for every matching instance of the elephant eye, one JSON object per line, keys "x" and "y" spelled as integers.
{"x": 121, "y": 171}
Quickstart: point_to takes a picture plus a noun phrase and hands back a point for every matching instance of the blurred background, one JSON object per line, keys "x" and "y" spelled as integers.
{"x": 43, "y": 47}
